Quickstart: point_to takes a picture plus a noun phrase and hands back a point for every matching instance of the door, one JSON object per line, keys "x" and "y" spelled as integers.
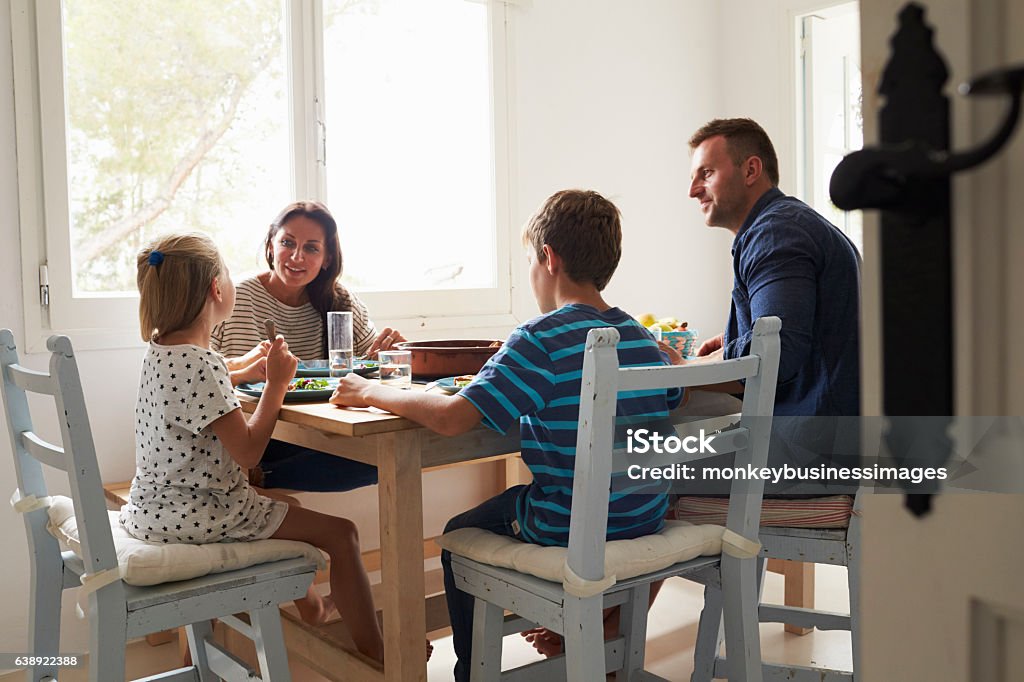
{"x": 942, "y": 595}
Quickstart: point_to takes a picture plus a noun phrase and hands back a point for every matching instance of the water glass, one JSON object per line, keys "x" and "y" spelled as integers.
{"x": 339, "y": 343}
{"x": 396, "y": 368}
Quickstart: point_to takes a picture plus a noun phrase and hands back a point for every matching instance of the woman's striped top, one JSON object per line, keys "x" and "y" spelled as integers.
{"x": 301, "y": 326}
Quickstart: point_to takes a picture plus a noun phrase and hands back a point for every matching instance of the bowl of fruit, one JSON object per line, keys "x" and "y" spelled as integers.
{"x": 672, "y": 331}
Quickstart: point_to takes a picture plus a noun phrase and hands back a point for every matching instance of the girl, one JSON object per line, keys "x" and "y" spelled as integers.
{"x": 192, "y": 441}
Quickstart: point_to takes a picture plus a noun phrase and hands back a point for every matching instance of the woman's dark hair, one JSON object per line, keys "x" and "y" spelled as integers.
{"x": 324, "y": 292}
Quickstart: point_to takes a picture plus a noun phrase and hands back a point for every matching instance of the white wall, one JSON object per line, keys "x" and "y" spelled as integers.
{"x": 605, "y": 95}
{"x": 608, "y": 93}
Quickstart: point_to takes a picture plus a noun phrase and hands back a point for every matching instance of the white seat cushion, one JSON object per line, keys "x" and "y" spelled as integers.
{"x": 152, "y": 563}
{"x": 678, "y": 541}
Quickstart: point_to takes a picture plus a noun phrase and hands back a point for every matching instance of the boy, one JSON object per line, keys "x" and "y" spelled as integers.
{"x": 573, "y": 246}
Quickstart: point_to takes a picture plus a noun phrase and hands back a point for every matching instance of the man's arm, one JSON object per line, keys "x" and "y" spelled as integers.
{"x": 781, "y": 280}
{"x": 443, "y": 414}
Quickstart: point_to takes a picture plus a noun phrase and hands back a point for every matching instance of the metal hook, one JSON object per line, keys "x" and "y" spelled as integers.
{"x": 877, "y": 177}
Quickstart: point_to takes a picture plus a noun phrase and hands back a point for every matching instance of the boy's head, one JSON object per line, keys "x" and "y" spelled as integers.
{"x": 175, "y": 276}
{"x": 584, "y": 229}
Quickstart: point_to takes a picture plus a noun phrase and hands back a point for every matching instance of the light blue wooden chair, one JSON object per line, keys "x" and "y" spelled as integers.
{"x": 117, "y": 611}
{"x": 835, "y": 546}
{"x": 578, "y": 619}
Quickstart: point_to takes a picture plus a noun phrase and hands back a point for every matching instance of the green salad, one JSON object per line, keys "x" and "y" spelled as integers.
{"x": 309, "y": 385}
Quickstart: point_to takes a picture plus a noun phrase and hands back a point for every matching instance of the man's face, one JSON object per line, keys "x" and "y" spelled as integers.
{"x": 717, "y": 184}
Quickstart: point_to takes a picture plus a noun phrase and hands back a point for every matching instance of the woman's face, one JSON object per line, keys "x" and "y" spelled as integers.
{"x": 299, "y": 251}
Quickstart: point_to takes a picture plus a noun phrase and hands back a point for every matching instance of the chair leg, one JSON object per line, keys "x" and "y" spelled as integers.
{"x": 44, "y": 617}
{"x": 198, "y": 634}
{"x": 633, "y": 627}
{"x": 269, "y": 640}
{"x": 584, "y": 635}
{"x": 108, "y": 634}
{"x": 741, "y": 594}
{"x": 488, "y": 620}
{"x": 709, "y": 636}
{"x": 853, "y": 579}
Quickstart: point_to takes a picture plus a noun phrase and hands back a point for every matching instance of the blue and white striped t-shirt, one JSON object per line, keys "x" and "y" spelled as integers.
{"x": 535, "y": 378}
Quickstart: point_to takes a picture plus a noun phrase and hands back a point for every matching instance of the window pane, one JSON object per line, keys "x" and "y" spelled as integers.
{"x": 176, "y": 120}
{"x": 409, "y": 155}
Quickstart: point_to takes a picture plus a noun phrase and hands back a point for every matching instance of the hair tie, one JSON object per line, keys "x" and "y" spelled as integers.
{"x": 155, "y": 257}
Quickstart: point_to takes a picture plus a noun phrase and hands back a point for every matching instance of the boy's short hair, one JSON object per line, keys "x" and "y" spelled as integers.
{"x": 743, "y": 138}
{"x": 584, "y": 229}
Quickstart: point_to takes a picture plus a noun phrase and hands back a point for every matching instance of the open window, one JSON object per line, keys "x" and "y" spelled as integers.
{"x": 141, "y": 118}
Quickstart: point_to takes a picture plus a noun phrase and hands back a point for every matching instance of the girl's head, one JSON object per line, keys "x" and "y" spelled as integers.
{"x": 177, "y": 275}
{"x": 302, "y": 249}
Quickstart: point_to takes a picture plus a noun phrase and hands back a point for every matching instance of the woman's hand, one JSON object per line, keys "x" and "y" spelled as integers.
{"x": 351, "y": 391}
{"x": 386, "y": 340}
{"x": 280, "y": 363}
{"x": 242, "y": 362}
{"x": 254, "y": 372}
{"x": 260, "y": 351}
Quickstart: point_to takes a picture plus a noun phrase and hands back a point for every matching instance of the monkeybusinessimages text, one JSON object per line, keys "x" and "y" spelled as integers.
{"x": 644, "y": 441}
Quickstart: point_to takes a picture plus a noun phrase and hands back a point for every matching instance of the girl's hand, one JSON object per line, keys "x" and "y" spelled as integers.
{"x": 351, "y": 391}
{"x": 280, "y": 363}
{"x": 386, "y": 340}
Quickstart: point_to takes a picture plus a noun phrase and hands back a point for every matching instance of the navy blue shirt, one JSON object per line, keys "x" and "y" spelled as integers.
{"x": 535, "y": 380}
{"x": 790, "y": 262}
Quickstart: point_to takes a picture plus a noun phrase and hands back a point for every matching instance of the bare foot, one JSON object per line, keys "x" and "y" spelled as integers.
{"x": 313, "y": 608}
{"x": 330, "y": 608}
{"x": 549, "y": 643}
{"x": 546, "y": 642}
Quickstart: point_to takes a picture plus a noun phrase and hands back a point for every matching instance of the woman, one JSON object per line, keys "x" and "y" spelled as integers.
{"x": 297, "y": 292}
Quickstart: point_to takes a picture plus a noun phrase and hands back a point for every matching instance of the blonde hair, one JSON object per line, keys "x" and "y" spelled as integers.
{"x": 174, "y": 276}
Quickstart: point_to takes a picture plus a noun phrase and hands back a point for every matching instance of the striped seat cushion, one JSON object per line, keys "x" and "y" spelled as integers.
{"x": 816, "y": 512}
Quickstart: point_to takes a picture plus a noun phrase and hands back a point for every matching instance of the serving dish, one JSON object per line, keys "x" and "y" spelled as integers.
{"x": 449, "y": 357}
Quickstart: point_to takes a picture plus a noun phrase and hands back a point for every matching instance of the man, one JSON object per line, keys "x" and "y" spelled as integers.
{"x": 788, "y": 261}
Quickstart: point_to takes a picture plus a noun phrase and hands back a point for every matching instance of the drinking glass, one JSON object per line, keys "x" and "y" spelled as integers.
{"x": 339, "y": 343}
{"x": 396, "y": 368}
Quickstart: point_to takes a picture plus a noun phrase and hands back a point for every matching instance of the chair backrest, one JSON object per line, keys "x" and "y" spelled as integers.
{"x": 603, "y": 379}
{"x": 77, "y": 457}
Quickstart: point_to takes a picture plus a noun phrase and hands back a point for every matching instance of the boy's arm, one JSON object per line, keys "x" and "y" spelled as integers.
{"x": 443, "y": 414}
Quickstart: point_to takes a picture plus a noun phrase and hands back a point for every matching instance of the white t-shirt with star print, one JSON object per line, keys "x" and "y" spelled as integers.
{"x": 186, "y": 486}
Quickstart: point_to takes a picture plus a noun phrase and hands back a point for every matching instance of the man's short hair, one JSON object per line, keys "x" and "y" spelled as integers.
{"x": 584, "y": 229}
{"x": 744, "y": 138}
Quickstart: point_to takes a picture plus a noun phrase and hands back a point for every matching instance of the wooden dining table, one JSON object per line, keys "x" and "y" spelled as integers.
{"x": 401, "y": 450}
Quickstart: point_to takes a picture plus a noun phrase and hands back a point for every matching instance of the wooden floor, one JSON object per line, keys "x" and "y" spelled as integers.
{"x": 670, "y": 643}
